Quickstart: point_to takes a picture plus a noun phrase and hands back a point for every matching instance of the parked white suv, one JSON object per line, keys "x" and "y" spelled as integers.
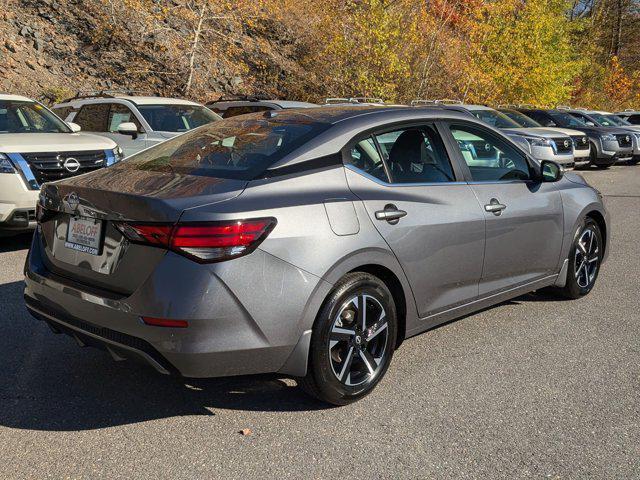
{"x": 134, "y": 122}
{"x": 37, "y": 147}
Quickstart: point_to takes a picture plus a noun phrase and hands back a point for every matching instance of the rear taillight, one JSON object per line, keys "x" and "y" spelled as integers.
{"x": 203, "y": 242}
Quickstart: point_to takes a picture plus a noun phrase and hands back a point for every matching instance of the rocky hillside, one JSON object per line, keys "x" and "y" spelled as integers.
{"x": 52, "y": 48}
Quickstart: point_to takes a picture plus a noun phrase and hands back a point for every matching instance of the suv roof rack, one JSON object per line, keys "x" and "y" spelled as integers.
{"x": 421, "y": 101}
{"x": 335, "y": 100}
{"x": 449, "y": 101}
{"x": 240, "y": 98}
{"x": 366, "y": 100}
{"x": 564, "y": 107}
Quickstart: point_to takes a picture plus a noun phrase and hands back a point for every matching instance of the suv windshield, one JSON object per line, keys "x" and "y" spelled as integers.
{"x": 494, "y": 118}
{"x": 177, "y": 118}
{"x": 603, "y": 120}
{"x": 619, "y": 121}
{"x": 28, "y": 117}
{"x": 566, "y": 120}
{"x": 521, "y": 119}
{"x": 236, "y": 148}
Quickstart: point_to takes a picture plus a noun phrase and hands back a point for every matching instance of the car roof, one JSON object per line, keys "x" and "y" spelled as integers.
{"x": 473, "y": 107}
{"x": 18, "y": 98}
{"x": 150, "y": 100}
{"x": 135, "y": 99}
{"x": 241, "y": 102}
{"x": 333, "y": 114}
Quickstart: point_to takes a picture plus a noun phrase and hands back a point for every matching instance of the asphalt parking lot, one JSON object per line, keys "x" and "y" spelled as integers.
{"x": 532, "y": 388}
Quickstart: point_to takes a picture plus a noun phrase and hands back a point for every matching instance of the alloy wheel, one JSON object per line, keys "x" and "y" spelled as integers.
{"x": 358, "y": 340}
{"x": 587, "y": 258}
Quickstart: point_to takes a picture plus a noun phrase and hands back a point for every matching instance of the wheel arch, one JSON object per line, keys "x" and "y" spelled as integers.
{"x": 397, "y": 292}
{"x": 598, "y": 217}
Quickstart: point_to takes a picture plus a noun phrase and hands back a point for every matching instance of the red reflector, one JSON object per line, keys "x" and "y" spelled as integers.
{"x": 165, "y": 322}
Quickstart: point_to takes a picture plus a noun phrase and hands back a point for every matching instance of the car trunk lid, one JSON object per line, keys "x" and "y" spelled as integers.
{"x": 79, "y": 222}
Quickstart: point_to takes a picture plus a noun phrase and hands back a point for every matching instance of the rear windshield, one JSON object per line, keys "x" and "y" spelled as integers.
{"x": 236, "y": 148}
{"x": 176, "y": 118}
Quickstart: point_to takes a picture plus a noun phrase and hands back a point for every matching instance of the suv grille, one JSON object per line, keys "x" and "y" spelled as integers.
{"x": 624, "y": 139}
{"x": 50, "y": 166}
{"x": 580, "y": 143}
{"x": 562, "y": 147}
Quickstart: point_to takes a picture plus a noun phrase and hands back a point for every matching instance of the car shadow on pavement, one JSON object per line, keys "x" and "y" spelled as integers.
{"x": 47, "y": 382}
{"x": 15, "y": 242}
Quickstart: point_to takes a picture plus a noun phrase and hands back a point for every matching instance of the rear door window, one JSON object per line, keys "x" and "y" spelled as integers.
{"x": 93, "y": 117}
{"x": 415, "y": 155}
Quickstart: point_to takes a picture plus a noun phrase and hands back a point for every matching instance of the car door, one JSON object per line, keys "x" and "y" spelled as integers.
{"x": 118, "y": 114}
{"x": 97, "y": 118}
{"x": 428, "y": 215}
{"x": 524, "y": 219}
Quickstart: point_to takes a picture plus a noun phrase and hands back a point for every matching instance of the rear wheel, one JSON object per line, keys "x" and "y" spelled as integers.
{"x": 353, "y": 340}
{"x": 584, "y": 260}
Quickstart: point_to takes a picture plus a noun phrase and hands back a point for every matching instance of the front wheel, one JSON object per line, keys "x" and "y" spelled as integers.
{"x": 585, "y": 258}
{"x": 353, "y": 340}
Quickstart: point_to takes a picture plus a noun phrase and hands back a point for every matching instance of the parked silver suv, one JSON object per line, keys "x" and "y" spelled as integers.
{"x": 134, "y": 122}
{"x": 310, "y": 243}
{"x": 542, "y": 144}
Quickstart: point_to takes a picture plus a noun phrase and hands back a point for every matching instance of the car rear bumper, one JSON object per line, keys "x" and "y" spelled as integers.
{"x": 233, "y": 329}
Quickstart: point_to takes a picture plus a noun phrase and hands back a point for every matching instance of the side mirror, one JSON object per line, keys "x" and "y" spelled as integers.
{"x": 551, "y": 171}
{"x": 590, "y": 123}
{"x": 75, "y": 128}
{"x": 128, "y": 128}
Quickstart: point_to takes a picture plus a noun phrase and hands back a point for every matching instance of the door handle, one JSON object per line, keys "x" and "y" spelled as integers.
{"x": 391, "y": 214}
{"x": 494, "y": 206}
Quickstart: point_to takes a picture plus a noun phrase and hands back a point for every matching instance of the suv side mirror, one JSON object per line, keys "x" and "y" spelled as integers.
{"x": 128, "y": 128}
{"x": 551, "y": 171}
{"x": 75, "y": 128}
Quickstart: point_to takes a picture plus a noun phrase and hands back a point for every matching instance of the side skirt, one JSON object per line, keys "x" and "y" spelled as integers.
{"x": 481, "y": 303}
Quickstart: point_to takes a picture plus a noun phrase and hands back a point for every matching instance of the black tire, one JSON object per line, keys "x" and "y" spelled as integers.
{"x": 576, "y": 286}
{"x": 593, "y": 156}
{"x": 340, "y": 312}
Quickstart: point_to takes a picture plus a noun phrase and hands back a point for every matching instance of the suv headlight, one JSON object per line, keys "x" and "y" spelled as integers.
{"x": 609, "y": 137}
{"x": 538, "y": 142}
{"x": 118, "y": 154}
{"x": 5, "y": 165}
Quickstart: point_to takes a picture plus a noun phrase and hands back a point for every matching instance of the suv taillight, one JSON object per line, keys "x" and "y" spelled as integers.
{"x": 205, "y": 242}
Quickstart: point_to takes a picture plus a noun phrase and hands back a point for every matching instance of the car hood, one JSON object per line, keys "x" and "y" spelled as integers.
{"x": 539, "y": 132}
{"x": 631, "y": 128}
{"x": 53, "y": 142}
{"x": 563, "y": 131}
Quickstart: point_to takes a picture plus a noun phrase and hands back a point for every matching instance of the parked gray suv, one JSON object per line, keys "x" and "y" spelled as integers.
{"x": 607, "y": 146}
{"x": 310, "y": 243}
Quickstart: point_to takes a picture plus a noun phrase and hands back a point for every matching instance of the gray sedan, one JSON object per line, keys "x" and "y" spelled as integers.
{"x": 307, "y": 242}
